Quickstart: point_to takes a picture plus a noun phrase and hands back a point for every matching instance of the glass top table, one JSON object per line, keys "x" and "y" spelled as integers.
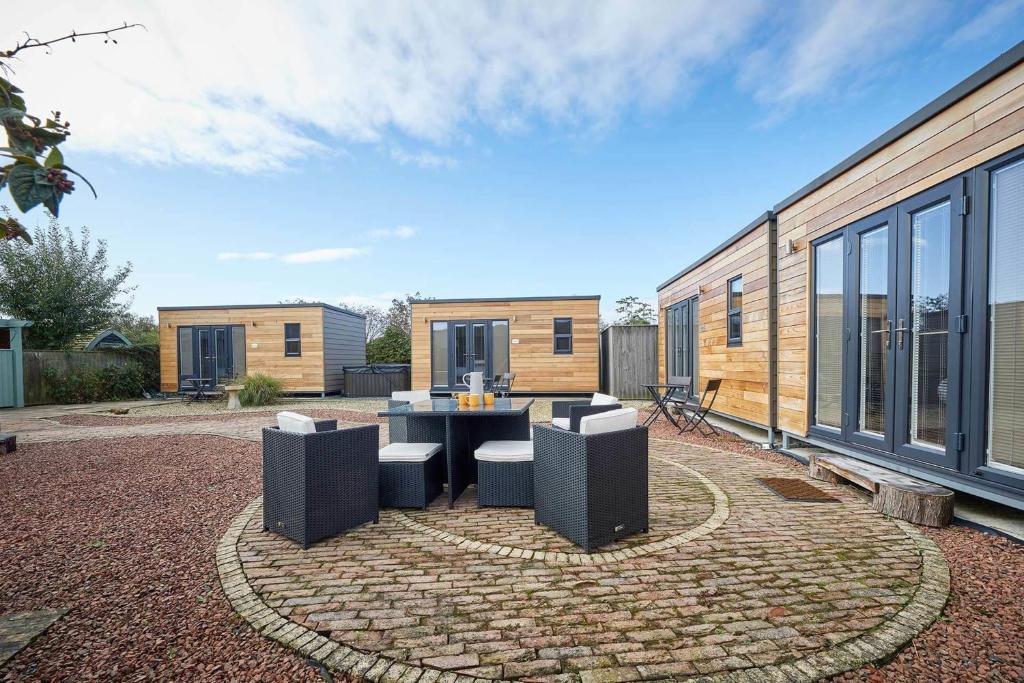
{"x": 441, "y": 407}
{"x": 460, "y": 430}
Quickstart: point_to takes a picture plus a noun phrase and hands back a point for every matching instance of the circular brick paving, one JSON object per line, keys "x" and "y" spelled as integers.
{"x": 734, "y": 582}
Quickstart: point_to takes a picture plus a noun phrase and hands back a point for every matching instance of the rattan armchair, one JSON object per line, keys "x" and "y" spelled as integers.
{"x": 591, "y": 488}
{"x": 317, "y": 485}
{"x": 575, "y": 411}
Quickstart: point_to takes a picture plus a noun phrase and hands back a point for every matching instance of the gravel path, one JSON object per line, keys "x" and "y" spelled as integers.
{"x": 123, "y": 533}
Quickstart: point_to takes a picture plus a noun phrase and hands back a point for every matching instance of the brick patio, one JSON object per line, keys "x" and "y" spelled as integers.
{"x": 731, "y": 581}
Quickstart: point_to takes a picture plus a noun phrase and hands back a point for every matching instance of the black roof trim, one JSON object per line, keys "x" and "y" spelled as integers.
{"x": 312, "y": 304}
{"x": 499, "y": 299}
{"x": 992, "y": 70}
{"x": 752, "y": 225}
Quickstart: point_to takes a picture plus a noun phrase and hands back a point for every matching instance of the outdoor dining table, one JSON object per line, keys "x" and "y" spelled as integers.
{"x": 461, "y": 430}
{"x": 661, "y": 393}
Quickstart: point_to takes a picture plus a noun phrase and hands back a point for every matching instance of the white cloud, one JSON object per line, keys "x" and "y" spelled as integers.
{"x": 992, "y": 18}
{"x": 258, "y": 89}
{"x": 831, "y": 46}
{"x": 402, "y": 232}
{"x": 423, "y": 159}
{"x": 245, "y": 256}
{"x": 324, "y": 255}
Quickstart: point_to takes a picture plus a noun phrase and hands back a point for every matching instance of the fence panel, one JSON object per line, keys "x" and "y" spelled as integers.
{"x": 36, "y": 363}
{"x": 629, "y": 359}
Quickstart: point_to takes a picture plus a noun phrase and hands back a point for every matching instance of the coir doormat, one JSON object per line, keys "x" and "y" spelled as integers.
{"x": 797, "y": 490}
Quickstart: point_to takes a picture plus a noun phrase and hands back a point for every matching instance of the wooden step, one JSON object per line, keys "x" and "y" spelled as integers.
{"x": 894, "y": 494}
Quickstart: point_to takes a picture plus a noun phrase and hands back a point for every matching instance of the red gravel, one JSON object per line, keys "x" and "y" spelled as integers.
{"x": 123, "y": 532}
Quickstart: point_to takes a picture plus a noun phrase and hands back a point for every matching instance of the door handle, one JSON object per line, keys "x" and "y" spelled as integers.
{"x": 887, "y": 331}
{"x": 901, "y": 330}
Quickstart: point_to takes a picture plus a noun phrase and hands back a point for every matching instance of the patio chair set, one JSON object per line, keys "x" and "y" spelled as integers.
{"x": 585, "y": 475}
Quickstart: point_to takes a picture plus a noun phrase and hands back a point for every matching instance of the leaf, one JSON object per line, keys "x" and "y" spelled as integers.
{"x": 11, "y": 228}
{"x": 12, "y": 113}
{"x": 84, "y": 179}
{"x": 55, "y": 159}
{"x": 29, "y": 188}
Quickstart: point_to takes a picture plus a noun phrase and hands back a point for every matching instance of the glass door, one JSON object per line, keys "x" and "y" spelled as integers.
{"x": 872, "y": 310}
{"x": 681, "y": 341}
{"x": 459, "y": 345}
{"x": 929, "y": 301}
{"x": 206, "y": 360}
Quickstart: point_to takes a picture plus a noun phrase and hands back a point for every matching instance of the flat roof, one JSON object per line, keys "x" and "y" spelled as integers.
{"x": 311, "y": 304}
{"x": 752, "y": 225}
{"x": 501, "y": 299}
{"x": 987, "y": 73}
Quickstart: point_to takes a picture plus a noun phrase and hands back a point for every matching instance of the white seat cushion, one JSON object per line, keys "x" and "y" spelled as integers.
{"x": 288, "y": 421}
{"x": 609, "y": 421}
{"x": 408, "y": 452}
{"x": 505, "y": 451}
{"x": 560, "y": 422}
{"x": 603, "y": 400}
{"x": 411, "y": 396}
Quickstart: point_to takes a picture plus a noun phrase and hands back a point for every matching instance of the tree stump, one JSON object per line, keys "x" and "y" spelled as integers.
{"x": 916, "y": 502}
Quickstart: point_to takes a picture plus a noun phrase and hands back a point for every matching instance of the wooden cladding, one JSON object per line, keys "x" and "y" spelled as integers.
{"x": 532, "y": 353}
{"x": 744, "y": 368}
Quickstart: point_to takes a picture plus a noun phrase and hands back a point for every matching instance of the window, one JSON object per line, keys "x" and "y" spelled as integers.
{"x": 563, "y": 335}
{"x": 185, "y": 365}
{"x": 828, "y": 333}
{"x": 292, "y": 339}
{"x": 5, "y": 338}
{"x": 238, "y": 350}
{"x": 1006, "y": 318}
{"x": 499, "y": 347}
{"x": 439, "y": 353}
{"x": 735, "y": 316}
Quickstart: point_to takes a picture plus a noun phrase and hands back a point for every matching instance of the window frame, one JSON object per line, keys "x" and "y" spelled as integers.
{"x": 731, "y": 341}
{"x": 555, "y": 336}
{"x": 297, "y": 339}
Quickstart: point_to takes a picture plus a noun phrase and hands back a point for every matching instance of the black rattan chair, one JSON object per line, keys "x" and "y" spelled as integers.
{"x": 574, "y": 411}
{"x": 697, "y": 417}
{"x": 590, "y": 488}
{"x": 317, "y": 485}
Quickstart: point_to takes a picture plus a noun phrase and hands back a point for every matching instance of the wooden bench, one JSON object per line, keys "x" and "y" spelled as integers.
{"x": 894, "y": 494}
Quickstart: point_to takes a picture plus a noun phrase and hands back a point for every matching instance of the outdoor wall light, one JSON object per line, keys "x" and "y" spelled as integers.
{"x": 790, "y": 248}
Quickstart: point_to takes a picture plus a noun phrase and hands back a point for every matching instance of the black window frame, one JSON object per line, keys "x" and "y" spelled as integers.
{"x": 297, "y": 339}
{"x": 555, "y": 336}
{"x": 730, "y": 312}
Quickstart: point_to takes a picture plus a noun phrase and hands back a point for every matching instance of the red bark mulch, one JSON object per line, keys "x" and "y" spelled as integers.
{"x": 123, "y": 532}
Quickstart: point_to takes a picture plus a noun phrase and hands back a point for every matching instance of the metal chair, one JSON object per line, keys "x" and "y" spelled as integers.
{"x": 707, "y": 400}
{"x": 503, "y": 384}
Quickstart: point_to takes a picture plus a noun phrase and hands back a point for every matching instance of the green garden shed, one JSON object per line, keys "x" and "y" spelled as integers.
{"x": 12, "y": 391}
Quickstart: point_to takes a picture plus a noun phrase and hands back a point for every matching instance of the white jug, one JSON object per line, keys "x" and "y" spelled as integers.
{"x": 475, "y": 382}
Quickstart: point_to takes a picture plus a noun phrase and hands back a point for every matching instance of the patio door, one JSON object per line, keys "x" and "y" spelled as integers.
{"x": 898, "y": 341}
{"x": 681, "y": 335}
{"x": 210, "y": 353}
{"x": 470, "y": 345}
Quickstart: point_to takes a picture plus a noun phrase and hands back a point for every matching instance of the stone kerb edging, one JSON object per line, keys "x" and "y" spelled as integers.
{"x": 718, "y": 516}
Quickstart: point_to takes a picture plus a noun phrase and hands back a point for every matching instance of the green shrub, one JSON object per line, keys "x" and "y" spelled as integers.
{"x": 89, "y": 385}
{"x": 259, "y": 390}
{"x": 391, "y": 347}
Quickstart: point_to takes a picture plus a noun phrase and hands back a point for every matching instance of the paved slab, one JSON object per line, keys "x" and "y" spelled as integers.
{"x": 18, "y": 630}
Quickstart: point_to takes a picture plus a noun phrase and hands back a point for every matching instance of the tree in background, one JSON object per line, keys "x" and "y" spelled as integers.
{"x": 634, "y": 311}
{"x": 376, "y": 319}
{"x": 36, "y": 173}
{"x": 141, "y": 330}
{"x": 394, "y": 346}
{"x": 61, "y": 285}
{"x": 400, "y": 313}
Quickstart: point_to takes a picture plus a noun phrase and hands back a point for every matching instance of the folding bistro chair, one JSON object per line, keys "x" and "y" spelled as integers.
{"x": 707, "y": 400}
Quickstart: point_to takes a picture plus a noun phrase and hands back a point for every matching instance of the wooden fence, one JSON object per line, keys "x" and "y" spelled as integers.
{"x": 629, "y": 359}
{"x": 36, "y": 363}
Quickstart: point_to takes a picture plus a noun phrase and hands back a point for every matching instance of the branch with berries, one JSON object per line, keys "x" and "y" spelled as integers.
{"x": 35, "y": 172}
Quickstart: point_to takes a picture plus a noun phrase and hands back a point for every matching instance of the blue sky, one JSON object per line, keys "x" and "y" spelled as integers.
{"x": 467, "y": 150}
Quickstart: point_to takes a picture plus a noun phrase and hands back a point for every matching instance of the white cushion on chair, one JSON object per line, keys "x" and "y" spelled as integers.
{"x": 288, "y": 421}
{"x": 411, "y": 396}
{"x": 603, "y": 400}
{"x": 560, "y": 422}
{"x": 408, "y": 452}
{"x": 609, "y": 421}
{"x": 505, "y": 451}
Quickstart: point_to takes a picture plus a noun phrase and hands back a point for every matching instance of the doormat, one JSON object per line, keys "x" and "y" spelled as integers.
{"x": 797, "y": 490}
